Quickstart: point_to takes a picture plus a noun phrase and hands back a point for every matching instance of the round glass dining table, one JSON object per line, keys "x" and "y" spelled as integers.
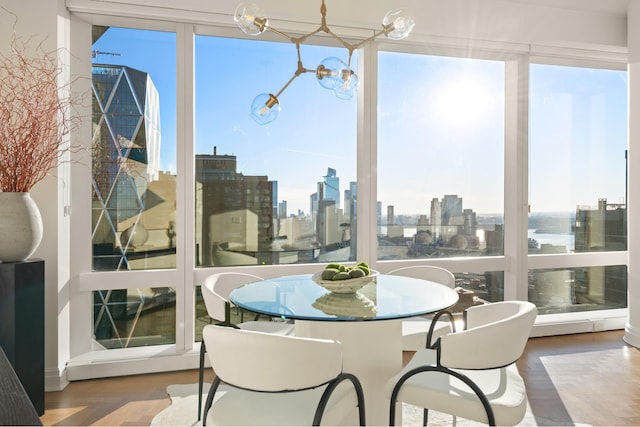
{"x": 385, "y": 297}
{"x": 368, "y": 322}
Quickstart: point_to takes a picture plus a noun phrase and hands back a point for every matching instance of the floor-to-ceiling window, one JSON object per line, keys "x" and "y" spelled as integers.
{"x": 133, "y": 182}
{"x": 287, "y": 196}
{"x": 281, "y": 193}
{"x": 577, "y": 185}
{"x": 441, "y": 136}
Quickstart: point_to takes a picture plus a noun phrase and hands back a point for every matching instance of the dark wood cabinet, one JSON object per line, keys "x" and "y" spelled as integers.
{"x": 15, "y": 407}
{"x": 22, "y": 324}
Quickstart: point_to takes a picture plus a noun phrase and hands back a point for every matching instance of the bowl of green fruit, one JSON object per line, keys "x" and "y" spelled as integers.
{"x": 344, "y": 279}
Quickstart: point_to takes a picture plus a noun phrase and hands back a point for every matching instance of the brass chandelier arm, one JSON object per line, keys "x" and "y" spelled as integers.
{"x": 325, "y": 29}
{"x": 280, "y": 33}
{"x": 332, "y": 73}
{"x": 300, "y": 70}
{"x": 367, "y": 40}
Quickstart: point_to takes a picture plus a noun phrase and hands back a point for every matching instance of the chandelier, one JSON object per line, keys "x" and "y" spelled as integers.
{"x": 332, "y": 73}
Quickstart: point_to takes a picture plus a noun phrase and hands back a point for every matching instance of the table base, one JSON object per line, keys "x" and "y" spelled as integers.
{"x": 372, "y": 350}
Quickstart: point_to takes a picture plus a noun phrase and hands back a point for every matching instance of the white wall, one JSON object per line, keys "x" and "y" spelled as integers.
{"x": 48, "y": 22}
{"x": 632, "y": 330}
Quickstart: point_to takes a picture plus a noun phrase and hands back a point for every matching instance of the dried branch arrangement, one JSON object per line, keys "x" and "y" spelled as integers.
{"x": 35, "y": 116}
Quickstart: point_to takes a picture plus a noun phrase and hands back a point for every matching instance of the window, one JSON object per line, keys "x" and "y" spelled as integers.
{"x": 124, "y": 318}
{"x": 564, "y": 290}
{"x": 134, "y": 182}
{"x": 280, "y": 198}
{"x": 577, "y": 180}
{"x": 283, "y": 193}
{"x": 479, "y": 288}
{"x": 134, "y": 193}
{"x": 440, "y": 156}
{"x": 577, "y": 162}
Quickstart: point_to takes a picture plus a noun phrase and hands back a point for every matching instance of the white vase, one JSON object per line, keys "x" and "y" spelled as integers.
{"x": 20, "y": 226}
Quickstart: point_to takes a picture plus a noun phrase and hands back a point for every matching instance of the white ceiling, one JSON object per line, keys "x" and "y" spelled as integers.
{"x": 616, "y": 7}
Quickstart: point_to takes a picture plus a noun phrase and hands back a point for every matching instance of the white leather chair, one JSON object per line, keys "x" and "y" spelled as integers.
{"x": 415, "y": 329}
{"x": 472, "y": 373}
{"x": 279, "y": 380}
{"x": 215, "y": 292}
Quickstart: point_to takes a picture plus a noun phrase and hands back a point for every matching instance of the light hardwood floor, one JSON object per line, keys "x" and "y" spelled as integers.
{"x": 589, "y": 378}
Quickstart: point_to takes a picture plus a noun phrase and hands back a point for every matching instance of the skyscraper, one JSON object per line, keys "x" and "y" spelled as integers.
{"x": 126, "y": 157}
{"x": 604, "y": 229}
{"x": 236, "y": 210}
{"x": 451, "y": 208}
{"x": 331, "y": 187}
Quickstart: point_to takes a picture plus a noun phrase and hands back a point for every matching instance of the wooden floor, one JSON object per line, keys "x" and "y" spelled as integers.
{"x": 572, "y": 379}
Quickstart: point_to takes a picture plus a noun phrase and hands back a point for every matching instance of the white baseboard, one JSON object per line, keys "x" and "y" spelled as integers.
{"x": 96, "y": 365}
{"x": 632, "y": 335}
{"x": 54, "y": 380}
{"x": 549, "y": 325}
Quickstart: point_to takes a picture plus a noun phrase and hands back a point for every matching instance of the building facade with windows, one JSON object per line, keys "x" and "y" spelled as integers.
{"x": 237, "y": 215}
{"x": 125, "y": 160}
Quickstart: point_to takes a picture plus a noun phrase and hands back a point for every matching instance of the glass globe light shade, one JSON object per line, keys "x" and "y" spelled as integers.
{"x": 329, "y": 72}
{"x": 251, "y": 19}
{"x": 397, "y": 24}
{"x": 349, "y": 85}
{"x": 265, "y": 108}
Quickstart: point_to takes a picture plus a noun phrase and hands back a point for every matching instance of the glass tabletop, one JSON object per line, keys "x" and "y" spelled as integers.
{"x": 386, "y": 297}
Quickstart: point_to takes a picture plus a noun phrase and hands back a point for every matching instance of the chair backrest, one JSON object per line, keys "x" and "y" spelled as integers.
{"x": 216, "y": 290}
{"x": 269, "y": 362}
{"x": 427, "y": 272}
{"x": 496, "y": 336}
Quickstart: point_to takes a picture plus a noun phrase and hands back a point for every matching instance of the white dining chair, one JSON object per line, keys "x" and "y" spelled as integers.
{"x": 215, "y": 292}
{"x": 415, "y": 329}
{"x": 279, "y": 380}
{"x": 471, "y": 373}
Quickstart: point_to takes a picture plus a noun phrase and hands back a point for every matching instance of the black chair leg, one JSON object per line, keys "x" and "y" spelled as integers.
{"x": 203, "y": 350}
{"x": 209, "y": 402}
{"x": 425, "y": 416}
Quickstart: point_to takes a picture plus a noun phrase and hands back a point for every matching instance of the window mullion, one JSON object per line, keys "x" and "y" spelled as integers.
{"x": 367, "y": 155}
{"x": 185, "y": 315}
{"x": 516, "y": 178}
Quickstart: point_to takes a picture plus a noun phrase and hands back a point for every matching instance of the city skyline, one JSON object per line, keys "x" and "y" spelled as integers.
{"x": 298, "y": 147}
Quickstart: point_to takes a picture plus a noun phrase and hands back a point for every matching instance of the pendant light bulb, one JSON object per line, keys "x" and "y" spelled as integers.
{"x": 265, "y": 108}
{"x": 251, "y": 19}
{"x": 397, "y": 24}
{"x": 348, "y": 86}
{"x": 329, "y": 72}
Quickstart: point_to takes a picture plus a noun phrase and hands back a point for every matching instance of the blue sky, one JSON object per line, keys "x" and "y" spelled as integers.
{"x": 313, "y": 132}
{"x": 579, "y": 126}
{"x": 440, "y": 127}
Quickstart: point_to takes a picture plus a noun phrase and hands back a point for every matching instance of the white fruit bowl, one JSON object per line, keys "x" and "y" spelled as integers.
{"x": 347, "y": 286}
